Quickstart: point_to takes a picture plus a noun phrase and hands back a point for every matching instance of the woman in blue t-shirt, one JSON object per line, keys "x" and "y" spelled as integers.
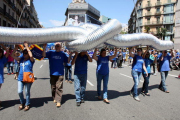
{"x": 3, "y": 61}
{"x": 137, "y": 69}
{"x": 102, "y": 72}
{"x": 148, "y": 62}
{"x": 26, "y": 61}
{"x": 164, "y": 69}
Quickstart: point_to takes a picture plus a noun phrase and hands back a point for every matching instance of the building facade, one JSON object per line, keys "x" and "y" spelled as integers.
{"x": 10, "y": 11}
{"x": 153, "y": 15}
{"x": 79, "y": 12}
{"x": 177, "y": 27}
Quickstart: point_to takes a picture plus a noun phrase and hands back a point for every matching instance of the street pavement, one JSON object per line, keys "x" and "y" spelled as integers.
{"x": 159, "y": 106}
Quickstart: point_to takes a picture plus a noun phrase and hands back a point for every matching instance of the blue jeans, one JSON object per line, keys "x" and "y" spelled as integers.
{"x": 146, "y": 83}
{"x": 20, "y": 92}
{"x": 136, "y": 77}
{"x": 10, "y": 67}
{"x": 105, "y": 79}
{"x": 162, "y": 85}
{"x": 68, "y": 69}
{"x": 80, "y": 81}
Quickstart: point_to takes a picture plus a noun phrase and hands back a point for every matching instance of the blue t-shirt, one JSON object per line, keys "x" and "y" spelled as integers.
{"x": 68, "y": 64}
{"x": 28, "y": 67}
{"x": 56, "y": 60}
{"x": 148, "y": 63}
{"x": 2, "y": 62}
{"x": 177, "y": 55}
{"x": 137, "y": 63}
{"x": 103, "y": 65}
{"x": 124, "y": 54}
{"x": 111, "y": 54}
{"x": 164, "y": 65}
{"x": 81, "y": 64}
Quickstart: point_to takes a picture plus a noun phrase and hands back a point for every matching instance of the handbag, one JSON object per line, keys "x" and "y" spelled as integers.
{"x": 28, "y": 77}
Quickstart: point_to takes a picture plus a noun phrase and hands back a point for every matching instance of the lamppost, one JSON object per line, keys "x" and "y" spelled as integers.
{"x": 22, "y": 13}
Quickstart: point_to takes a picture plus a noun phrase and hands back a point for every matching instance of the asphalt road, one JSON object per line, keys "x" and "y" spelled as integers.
{"x": 159, "y": 106}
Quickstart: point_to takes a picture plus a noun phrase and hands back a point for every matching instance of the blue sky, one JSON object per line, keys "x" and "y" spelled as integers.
{"x": 51, "y": 13}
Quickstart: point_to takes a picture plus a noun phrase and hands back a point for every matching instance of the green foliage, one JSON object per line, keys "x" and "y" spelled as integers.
{"x": 161, "y": 32}
{"x": 147, "y": 29}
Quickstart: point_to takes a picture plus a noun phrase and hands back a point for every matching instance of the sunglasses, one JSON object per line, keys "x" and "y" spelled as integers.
{"x": 139, "y": 50}
{"x": 57, "y": 46}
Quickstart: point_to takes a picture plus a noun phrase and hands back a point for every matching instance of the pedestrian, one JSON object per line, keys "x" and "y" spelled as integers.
{"x": 80, "y": 75}
{"x": 114, "y": 60}
{"x": 130, "y": 59}
{"x": 10, "y": 62}
{"x": 148, "y": 62}
{"x": 124, "y": 56}
{"x": 102, "y": 72}
{"x": 153, "y": 57}
{"x": 16, "y": 65}
{"x": 119, "y": 59}
{"x": 56, "y": 60}
{"x": 68, "y": 68}
{"x": 164, "y": 69}
{"x": 137, "y": 69}
{"x": 3, "y": 61}
{"x": 26, "y": 61}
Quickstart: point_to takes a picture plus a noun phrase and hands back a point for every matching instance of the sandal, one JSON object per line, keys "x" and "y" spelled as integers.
{"x": 106, "y": 101}
{"x": 147, "y": 94}
{"x": 166, "y": 91}
{"x": 58, "y": 105}
{"x": 27, "y": 108}
{"x": 21, "y": 107}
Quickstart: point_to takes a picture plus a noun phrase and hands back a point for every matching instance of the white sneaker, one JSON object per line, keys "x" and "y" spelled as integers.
{"x": 155, "y": 74}
{"x": 137, "y": 98}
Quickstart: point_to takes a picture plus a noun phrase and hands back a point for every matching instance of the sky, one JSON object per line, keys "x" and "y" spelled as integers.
{"x": 51, "y": 13}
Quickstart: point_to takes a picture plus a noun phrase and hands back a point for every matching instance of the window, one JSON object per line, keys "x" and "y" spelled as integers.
{"x": 4, "y": 23}
{"x": 157, "y": 9}
{"x": 9, "y": 25}
{"x": 13, "y": 14}
{"x": 0, "y": 21}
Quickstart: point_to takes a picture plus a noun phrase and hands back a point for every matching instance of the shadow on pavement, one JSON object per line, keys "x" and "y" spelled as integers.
{"x": 36, "y": 102}
{"x": 112, "y": 94}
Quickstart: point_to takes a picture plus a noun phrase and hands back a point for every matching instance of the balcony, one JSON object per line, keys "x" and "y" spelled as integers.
{"x": 169, "y": 22}
{"x": 139, "y": 15}
{"x": 154, "y": 23}
{"x": 1, "y": 11}
{"x": 158, "y": 3}
{"x": 139, "y": 7}
{"x": 157, "y": 13}
{"x": 148, "y": 14}
{"x": 148, "y": 5}
{"x": 169, "y": 2}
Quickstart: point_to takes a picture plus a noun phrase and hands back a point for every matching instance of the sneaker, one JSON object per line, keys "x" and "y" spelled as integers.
{"x": 131, "y": 94}
{"x": 155, "y": 74}
{"x": 12, "y": 73}
{"x": 78, "y": 104}
{"x": 82, "y": 101}
{"x": 137, "y": 98}
{"x": 9, "y": 74}
{"x": 55, "y": 101}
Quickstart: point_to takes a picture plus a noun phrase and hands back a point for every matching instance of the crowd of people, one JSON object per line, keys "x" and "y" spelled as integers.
{"x": 62, "y": 60}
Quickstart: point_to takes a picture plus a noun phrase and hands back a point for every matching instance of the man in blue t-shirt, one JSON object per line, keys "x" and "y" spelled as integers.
{"x": 80, "y": 75}
{"x": 164, "y": 68}
{"x": 57, "y": 58}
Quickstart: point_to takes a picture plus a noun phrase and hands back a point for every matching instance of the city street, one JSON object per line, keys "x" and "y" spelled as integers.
{"x": 159, "y": 106}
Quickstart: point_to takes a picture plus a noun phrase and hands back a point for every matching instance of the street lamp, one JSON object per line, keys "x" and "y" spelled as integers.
{"x": 22, "y": 13}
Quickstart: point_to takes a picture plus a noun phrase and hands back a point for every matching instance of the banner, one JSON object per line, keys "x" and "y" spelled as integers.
{"x": 36, "y": 51}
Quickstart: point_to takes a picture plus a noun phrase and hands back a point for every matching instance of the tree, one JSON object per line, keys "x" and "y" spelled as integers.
{"x": 161, "y": 33}
{"x": 123, "y": 32}
{"x": 147, "y": 29}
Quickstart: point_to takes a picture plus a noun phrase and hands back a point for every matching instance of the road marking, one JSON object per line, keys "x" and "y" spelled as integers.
{"x": 41, "y": 66}
{"x": 173, "y": 75}
{"x": 129, "y": 76}
{"x": 125, "y": 75}
{"x": 90, "y": 83}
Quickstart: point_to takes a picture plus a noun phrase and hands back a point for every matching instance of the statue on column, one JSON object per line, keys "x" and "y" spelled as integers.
{"x": 79, "y": 1}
